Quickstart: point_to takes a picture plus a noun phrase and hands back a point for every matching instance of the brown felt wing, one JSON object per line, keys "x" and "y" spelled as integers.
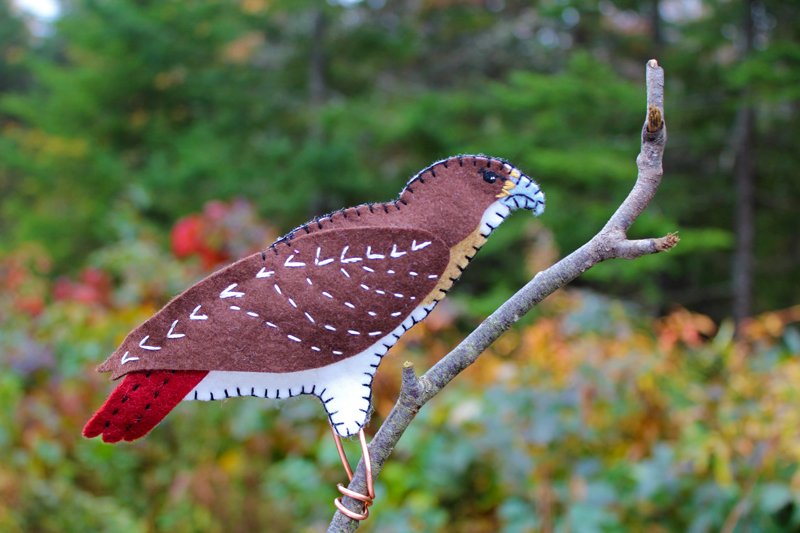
{"x": 308, "y": 303}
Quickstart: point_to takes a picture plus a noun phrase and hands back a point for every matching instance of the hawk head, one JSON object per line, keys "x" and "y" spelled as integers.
{"x": 463, "y": 194}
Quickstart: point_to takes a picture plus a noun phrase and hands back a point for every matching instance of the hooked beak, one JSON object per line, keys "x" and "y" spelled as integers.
{"x": 519, "y": 191}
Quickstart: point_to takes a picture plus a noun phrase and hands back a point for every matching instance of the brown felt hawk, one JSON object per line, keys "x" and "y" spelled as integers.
{"x": 318, "y": 309}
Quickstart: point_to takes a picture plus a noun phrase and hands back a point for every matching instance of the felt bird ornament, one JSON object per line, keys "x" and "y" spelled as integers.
{"x": 316, "y": 311}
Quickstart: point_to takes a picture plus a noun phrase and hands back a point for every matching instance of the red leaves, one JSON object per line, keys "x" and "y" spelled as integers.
{"x": 224, "y": 230}
{"x": 94, "y": 286}
{"x": 191, "y": 235}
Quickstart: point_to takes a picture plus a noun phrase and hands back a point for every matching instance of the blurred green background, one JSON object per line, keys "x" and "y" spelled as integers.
{"x": 143, "y": 144}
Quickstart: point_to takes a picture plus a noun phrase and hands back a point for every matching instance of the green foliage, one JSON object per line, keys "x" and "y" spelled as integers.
{"x": 160, "y": 108}
{"x": 591, "y": 418}
{"x": 119, "y": 128}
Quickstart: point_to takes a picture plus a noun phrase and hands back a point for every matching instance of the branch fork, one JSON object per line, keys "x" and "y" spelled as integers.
{"x": 610, "y": 243}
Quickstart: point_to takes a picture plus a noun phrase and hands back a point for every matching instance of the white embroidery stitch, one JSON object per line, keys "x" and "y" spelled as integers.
{"x": 395, "y": 253}
{"x": 368, "y": 269}
{"x": 289, "y": 263}
{"x": 277, "y": 289}
{"x": 351, "y": 306}
{"x": 337, "y": 352}
{"x": 396, "y": 314}
{"x": 372, "y": 313}
{"x": 415, "y": 246}
{"x": 330, "y": 327}
{"x": 390, "y": 271}
{"x": 142, "y": 345}
{"x": 323, "y": 262}
{"x": 270, "y": 324}
{"x": 309, "y": 281}
{"x": 254, "y": 315}
{"x": 412, "y": 273}
{"x": 293, "y": 338}
{"x": 292, "y": 302}
{"x": 370, "y": 255}
{"x": 433, "y": 276}
{"x": 171, "y": 334}
{"x": 195, "y": 316}
{"x": 228, "y": 293}
{"x": 327, "y": 294}
{"x": 126, "y": 359}
{"x": 398, "y": 295}
{"x": 353, "y": 332}
{"x": 364, "y": 287}
{"x": 315, "y": 349}
{"x": 379, "y": 291}
{"x": 236, "y": 308}
{"x": 310, "y": 318}
{"x": 263, "y": 273}
{"x": 344, "y": 272}
{"x": 374, "y": 333}
{"x": 349, "y": 259}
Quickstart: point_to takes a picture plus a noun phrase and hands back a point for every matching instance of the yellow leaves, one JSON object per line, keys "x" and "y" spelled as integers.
{"x": 253, "y": 7}
{"x": 232, "y": 462}
{"x": 243, "y": 48}
{"x": 544, "y": 345}
{"x": 685, "y": 327}
{"x": 770, "y": 325}
{"x": 44, "y": 144}
{"x": 172, "y": 77}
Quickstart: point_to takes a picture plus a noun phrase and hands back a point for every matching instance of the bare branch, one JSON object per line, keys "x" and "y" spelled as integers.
{"x": 610, "y": 243}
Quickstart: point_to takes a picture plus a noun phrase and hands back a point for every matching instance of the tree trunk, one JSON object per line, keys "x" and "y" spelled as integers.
{"x": 743, "y": 257}
{"x": 744, "y": 178}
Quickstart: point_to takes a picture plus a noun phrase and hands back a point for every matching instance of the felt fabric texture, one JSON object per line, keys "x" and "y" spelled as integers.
{"x": 328, "y": 296}
{"x": 344, "y": 388}
{"x": 315, "y": 312}
{"x": 139, "y": 403}
{"x": 447, "y": 199}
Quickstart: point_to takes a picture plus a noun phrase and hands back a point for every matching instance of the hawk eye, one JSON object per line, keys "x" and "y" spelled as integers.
{"x": 489, "y": 176}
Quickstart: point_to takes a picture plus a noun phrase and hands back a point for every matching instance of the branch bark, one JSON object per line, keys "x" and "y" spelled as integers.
{"x": 611, "y": 242}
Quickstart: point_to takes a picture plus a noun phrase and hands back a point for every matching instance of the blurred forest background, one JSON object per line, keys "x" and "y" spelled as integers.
{"x": 144, "y": 144}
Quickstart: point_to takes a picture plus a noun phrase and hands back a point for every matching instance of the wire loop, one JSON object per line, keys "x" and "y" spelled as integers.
{"x": 366, "y": 498}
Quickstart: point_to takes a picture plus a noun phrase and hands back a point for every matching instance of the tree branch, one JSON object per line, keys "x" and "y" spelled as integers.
{"x": 610, "y": 243}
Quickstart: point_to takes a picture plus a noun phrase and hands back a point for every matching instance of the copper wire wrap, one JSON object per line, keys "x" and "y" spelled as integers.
{"x": 366, "y": 498}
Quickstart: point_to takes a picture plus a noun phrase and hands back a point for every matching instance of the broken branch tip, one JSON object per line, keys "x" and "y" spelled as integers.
{"x": 665, "y": 244}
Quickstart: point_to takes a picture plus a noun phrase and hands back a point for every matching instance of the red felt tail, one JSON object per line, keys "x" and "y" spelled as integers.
{"x": 140, "y": 402}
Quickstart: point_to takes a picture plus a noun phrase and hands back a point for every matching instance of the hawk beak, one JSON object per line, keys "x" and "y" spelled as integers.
{"x": 509, "y": 184}
{"x": 526, "y": 193}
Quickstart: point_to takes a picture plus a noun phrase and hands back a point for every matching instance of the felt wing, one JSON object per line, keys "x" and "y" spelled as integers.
{"x": 304, "y": 303}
